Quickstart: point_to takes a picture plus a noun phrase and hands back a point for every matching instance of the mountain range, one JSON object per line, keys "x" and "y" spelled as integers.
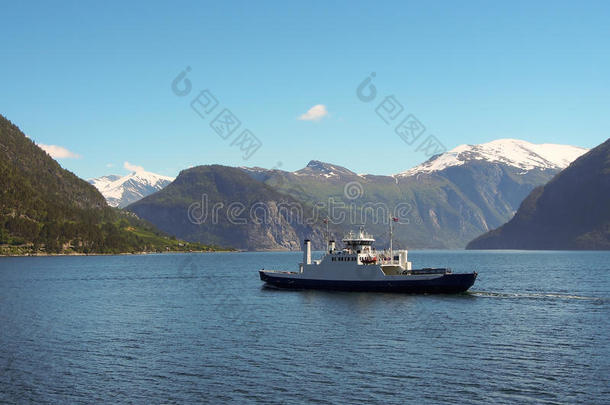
{"x": 572, "y": 211}
{"x": 442, "y": 203}
{"x": 120, "y": 191}
{"x": 511, "y": 152}
{"x": 445, "y": 202}
{"x": 224, "y": 206}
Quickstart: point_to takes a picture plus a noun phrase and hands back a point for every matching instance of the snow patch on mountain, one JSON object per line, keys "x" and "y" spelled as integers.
{"x": 120, "y": 191}
{"x": 513, "y": 152}
{"x": 317, "y": 168}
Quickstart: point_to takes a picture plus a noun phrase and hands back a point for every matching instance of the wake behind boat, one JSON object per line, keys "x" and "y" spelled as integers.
{"x": 359, "y": 267}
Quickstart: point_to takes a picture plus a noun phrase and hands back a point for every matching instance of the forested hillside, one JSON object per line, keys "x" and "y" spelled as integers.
{"x": 47, "y": 209}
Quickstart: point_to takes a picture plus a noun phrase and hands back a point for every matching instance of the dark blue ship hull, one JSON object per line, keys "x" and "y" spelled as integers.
{"x": 445, "y": 284}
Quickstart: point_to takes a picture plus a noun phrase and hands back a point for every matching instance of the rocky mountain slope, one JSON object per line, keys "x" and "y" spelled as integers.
{"x": 442, "y": 203}
{"x": 225, "y": 206}
{"x": 572, "y": 211}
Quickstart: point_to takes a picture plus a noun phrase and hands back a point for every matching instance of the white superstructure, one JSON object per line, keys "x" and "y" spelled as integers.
{"x": 357, "y": 260}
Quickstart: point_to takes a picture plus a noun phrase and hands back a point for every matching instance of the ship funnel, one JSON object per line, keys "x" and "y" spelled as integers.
{"x": 307, "y": 252}
{"x": 331, "y": 246}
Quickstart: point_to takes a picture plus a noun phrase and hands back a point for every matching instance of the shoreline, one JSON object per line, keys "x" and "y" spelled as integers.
{"x": 288, "y": 251}
{"x": 115, "y": 254}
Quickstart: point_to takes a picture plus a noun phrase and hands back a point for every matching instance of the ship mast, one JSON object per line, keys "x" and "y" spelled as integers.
{"x": 392, "y": 219}
{"x": 391, "y": 254}
{"x": 327, "y": 233}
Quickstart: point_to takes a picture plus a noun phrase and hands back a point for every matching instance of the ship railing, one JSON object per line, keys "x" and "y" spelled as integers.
{"x": 389, "y": 263}
{"x": 357, "y": 236}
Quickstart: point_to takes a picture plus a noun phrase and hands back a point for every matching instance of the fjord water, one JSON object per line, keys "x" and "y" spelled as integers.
{"x": 201, "y": 328}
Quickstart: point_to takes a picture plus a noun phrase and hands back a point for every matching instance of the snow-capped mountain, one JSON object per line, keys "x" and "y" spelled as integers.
{"x": 512, "y": 152}
{"x": 314, "y": 169}
{"x": 317, "y": 168}
{"x": 481, "y": 188}
{"x": 120, "y": 191}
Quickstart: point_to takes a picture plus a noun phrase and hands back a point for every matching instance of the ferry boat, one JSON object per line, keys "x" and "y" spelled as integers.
{"x": 359, "y": 267}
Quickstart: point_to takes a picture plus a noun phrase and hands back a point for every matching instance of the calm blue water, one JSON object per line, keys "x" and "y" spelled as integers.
{"x": 199, "y": 328}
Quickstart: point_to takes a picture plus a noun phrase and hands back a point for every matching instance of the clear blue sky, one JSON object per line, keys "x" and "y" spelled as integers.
{"x": 95, "y": 78}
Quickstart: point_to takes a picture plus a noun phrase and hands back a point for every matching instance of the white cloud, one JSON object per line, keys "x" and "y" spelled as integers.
{"x": 315, "y": 113}
{"x": 133, "y": 168}
{"x": 58, "y": 152}
{"x": 109, "y": 165}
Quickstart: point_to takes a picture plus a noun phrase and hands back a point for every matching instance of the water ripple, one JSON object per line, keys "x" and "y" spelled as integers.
{"x": 201, "y": 329}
